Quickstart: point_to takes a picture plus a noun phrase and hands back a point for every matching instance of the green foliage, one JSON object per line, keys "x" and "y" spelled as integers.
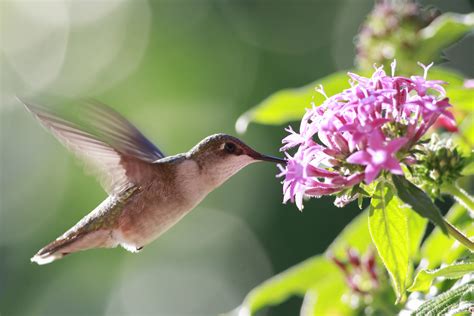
{"x": 326, "y": 299}
{"x": 312, "y": 273}
{"x": 460, "y": 97}
{"x": 465, "y": 138}
{"x": 290, "y": 104}
{"x": 389, "y": 230}
{"x": 441, "y": 33}
{"x": 425, "y": 277}
{"x": 354, "y": 235}
{"x": 318, "y": 277}
{"x": 430, "y": 250}
{"x": 380, "y": 40}
{"x": 416, "y": 230}
{"x": 458, "y": 299}
{"x": 417, "y": 36}
{"x": 418, "y": 200}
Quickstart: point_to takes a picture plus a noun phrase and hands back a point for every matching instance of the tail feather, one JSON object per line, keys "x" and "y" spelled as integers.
{"x": 46, "y": 258}
{"x": 52, "y": 251}
{"x": 67, "y": 244}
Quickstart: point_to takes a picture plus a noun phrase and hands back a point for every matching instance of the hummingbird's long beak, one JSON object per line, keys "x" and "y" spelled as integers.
{"x": 258, "y": 156}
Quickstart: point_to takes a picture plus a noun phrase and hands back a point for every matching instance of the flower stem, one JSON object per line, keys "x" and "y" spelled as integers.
{"x": 460, "y": 195}
{"x": 459, "y": 236}
{"x": 468, "y": 202}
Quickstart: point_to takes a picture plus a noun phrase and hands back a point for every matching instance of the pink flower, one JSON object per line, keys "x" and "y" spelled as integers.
{"x": 357, "y": 134}
{"x": 378, "y": 156}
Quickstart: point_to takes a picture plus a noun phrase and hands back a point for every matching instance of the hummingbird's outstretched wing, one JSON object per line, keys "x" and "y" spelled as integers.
{"x": 103, "y": 139}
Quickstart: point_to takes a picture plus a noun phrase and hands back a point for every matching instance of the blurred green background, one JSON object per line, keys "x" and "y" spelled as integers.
{"x": 179, "y": 70}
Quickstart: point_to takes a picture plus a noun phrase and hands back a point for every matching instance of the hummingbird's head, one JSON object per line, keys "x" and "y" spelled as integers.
{"x": 220, "y": 156}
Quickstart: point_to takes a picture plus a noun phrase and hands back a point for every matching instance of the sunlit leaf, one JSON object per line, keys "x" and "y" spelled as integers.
{"x": 389, "y": 230}
{"x": 294, "y": 281}
{"x": 316, "y": 274}
{"x": 425, "y": 277}
{"x": 418, "y": 200}
{"x": 441, "y": 33}
{"x": 460, "y": 97}
{"x": 465, "y": 138}
{"x": 416, "y": 230}
{"x": 321, "y": 301}
{"x": 355, "y": 235}
{"x": 290, "y": 104}
{"x": 430, "y": 251}
{"x": 449, "y": 301}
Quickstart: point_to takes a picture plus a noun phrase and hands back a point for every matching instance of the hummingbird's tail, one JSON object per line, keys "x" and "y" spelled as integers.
{"x": 73, "y": 242}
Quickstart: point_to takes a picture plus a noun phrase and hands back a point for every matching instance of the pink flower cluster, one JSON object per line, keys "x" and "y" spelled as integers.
{"x": 356, "y": 134}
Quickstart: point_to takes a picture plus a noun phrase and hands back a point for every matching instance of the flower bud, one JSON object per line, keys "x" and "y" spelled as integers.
{"x": 353, "y": 257}
{"x": 434, "y": 174}
{"x": 391, "y": 31}
{"x": 439, "y": 163}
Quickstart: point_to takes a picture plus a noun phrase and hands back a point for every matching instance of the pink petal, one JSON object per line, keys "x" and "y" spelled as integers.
{"x": 394, "y": 167}
{"x": 299, "y": 200}
{"x": 371, "y": 172}
{"x": 396, "y": 144}
{"x": 376, "y": 139}
{"x": 313, "y": 171}
{"x": 360, "y": 158}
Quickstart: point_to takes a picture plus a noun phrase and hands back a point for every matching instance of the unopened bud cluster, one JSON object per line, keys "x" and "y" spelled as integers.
{"x": 439, "y": 162}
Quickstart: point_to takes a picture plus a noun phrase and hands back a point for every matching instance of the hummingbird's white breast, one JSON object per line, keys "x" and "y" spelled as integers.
{"x": 165, "y": 201}
{"x": 160, "y": 205}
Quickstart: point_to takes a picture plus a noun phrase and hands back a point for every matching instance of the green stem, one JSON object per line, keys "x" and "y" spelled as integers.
{"x": 468, "y": 202}
{"x": 460, "y": 195}
{"x": 459, "y": 236}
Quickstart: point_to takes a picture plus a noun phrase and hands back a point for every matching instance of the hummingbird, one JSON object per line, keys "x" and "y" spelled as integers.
{"x": 148, "y": 192}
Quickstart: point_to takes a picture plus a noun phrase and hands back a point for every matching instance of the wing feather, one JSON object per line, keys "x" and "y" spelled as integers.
{"x": 102, "y": 138}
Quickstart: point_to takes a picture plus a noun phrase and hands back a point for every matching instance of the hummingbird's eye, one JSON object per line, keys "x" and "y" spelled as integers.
{"x": 230, "y": 148}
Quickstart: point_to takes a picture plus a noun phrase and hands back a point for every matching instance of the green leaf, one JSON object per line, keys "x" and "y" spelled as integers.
{"x": 290, "y": 104}
{"x": 416, "y": 230}
{"x": 389, "y": 230}
{"x": 419, "y": 201}
{"x": 461, "y": 98}
{"x": 465, "y": 138}
{"x": 294, "y": 281}
{"x": 320, "y": 300}
{"x": 437, "y": 240}
{"x": 441, "y": 33}
{"x": 354, "y": 235}
{"x": 317, "y": 274}
{"x": 449, "y": 301}
{"x": 425, "y": 277}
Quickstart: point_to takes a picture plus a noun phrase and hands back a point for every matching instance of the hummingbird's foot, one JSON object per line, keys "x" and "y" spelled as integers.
{"x": 139, "y": 248}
